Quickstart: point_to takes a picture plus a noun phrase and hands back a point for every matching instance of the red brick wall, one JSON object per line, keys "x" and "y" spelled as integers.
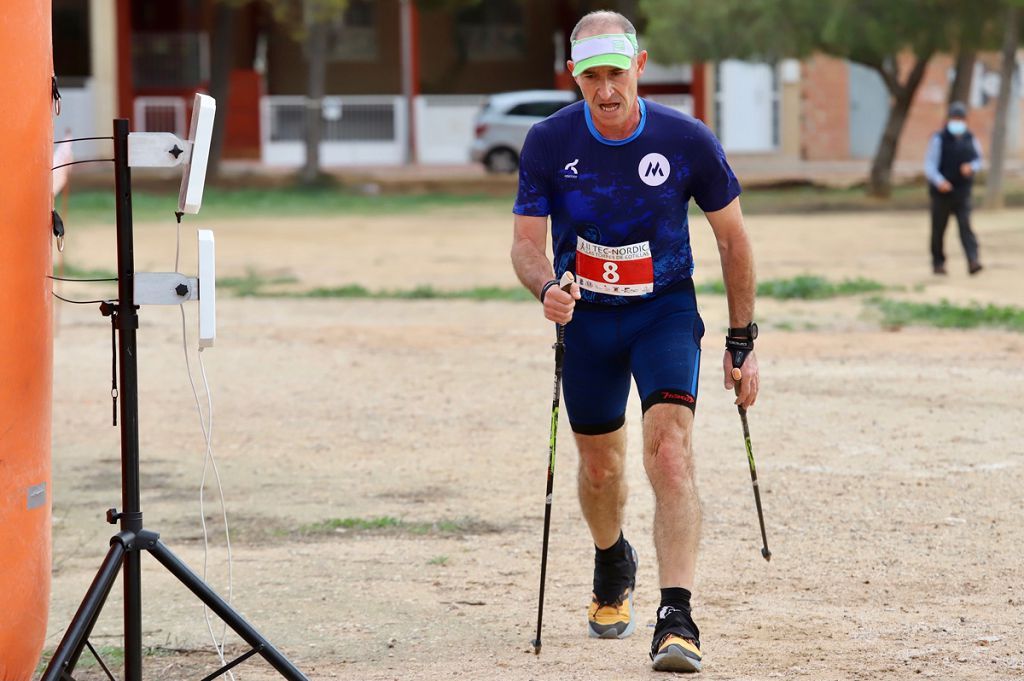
{"x": 825, "y": 109}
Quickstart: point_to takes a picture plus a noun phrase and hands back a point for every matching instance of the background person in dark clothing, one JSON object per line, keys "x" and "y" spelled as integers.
{"x": 952, "y": 160}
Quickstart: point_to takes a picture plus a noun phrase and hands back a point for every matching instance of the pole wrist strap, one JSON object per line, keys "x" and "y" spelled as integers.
{"x": 739, "y": 348}
{"x": 544, "y": 289}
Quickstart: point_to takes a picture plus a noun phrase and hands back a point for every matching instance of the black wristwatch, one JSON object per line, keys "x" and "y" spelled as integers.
{"x": 748, "y": 332}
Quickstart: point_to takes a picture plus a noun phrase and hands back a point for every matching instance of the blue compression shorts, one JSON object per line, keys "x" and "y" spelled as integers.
{"x": 655, "y": 340}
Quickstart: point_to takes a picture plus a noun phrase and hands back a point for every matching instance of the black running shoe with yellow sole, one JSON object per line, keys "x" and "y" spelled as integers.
{"x": 614, "y": 618}
{"x": 676, "y": 654}
{"x": 676, "y": 644}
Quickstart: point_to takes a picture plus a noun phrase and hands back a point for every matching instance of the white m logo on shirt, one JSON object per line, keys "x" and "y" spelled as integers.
{"x": 654, "y": 169}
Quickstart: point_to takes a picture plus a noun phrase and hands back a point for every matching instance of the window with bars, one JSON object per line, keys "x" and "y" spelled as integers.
{"x": 491, "y": 31}
{"x": 354, "y": 37}
{"x": 170, "y": 59}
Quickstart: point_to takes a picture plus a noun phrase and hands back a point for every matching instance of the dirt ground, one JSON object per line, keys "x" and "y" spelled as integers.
{"x": 890, "y": 461}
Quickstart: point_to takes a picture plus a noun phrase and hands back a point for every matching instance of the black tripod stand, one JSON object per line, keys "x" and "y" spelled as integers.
{"x": 126, "y": 546}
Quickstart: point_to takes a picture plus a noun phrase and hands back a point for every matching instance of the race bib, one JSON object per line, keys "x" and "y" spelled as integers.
{"x": 615, "y": 270}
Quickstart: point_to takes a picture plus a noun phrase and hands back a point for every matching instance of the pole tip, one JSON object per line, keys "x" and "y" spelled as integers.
{"x": 536, "y": 646}
{"x": 766, "y": 553}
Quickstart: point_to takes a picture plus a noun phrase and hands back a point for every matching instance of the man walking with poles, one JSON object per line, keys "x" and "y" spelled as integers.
{"x": 615, "y": 174}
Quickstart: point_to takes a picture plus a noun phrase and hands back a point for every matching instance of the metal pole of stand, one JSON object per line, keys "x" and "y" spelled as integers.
{"x": 128, "y": 323}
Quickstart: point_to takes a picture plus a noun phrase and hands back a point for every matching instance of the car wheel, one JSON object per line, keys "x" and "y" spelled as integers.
{"x": 502, "y": 161}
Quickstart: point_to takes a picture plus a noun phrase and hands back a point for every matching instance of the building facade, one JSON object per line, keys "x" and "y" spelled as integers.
{"x": 143, "y": 60}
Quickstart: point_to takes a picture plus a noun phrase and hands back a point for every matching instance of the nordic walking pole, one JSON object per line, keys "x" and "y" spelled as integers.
{"x": 565, "y": 284}
{"x": 736, "y": 376}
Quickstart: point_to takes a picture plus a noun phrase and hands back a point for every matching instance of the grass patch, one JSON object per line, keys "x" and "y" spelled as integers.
{"x": 94, "y": 206}
{"x": 396, "y": 526}
{"x": 803, "y": 287}
{"x": 112, "y": 656}
{"x": 516, "y": 293}
{"x": 897, "y": 313}
{"x": 812, "y": 287}
{"x": 713, "y": 287}
{"x": 806, "y": 198}
{"x": 71, "y": 271}
{"x": 438, "y": 560}
{"x": 253, "y": 283}
{"x": 359, "y": 524}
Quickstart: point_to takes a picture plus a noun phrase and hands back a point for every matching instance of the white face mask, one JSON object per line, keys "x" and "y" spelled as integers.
{"x": 957, "y": 127}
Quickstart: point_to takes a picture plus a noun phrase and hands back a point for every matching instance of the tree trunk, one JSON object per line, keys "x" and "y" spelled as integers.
{"x": 407, "y": 9}
{"x": 901, "y": 97}
{"x": 316, "y": 56}
{"x": 994, "y": 185}
{"x": 960, "y": 91}
{"x": 221, "y": 60}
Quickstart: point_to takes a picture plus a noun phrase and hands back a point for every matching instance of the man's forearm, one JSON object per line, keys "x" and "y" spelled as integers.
{"x": 740, "y": 280}
{"x": 531, "y": 265}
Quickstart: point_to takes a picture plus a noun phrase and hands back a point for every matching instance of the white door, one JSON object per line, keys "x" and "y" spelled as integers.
{"x": 869, "y": 110}
{"x": 747, "y": 106}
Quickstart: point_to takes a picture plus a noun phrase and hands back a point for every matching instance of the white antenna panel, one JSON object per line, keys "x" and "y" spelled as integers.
{"x": 207, "y": 289}
{"x": 200, "y": 133}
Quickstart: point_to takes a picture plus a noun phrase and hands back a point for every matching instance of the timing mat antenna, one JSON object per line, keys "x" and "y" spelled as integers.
{"x": 135, "y": 289}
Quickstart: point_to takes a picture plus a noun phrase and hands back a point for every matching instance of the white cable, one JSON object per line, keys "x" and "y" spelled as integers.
{"x": 209, "y": 461}
{"x": 177, "y": 246}
{"x": 206, "y": 423}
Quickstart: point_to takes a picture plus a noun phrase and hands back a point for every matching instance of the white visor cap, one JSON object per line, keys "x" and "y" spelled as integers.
{"x": 612, "y": 49}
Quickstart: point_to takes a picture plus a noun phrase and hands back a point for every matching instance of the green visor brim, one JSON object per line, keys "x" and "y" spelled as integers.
{"x": 619, "y": 61}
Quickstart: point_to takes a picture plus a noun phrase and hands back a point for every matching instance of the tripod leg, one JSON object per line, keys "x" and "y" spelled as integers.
{"x": 66, "y": 656}
{"x": 132, "y": 579}
{"x": 225, "y": 611}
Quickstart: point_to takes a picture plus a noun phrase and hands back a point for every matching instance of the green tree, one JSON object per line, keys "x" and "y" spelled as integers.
{"x": 894, "y": 38}
{"x": 314, "y": 23}
{"x": 310, "y": 23}
{"x": 975, "y": 27}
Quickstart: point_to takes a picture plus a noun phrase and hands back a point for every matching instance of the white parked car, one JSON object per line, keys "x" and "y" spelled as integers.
{"x": 504, "y": 120}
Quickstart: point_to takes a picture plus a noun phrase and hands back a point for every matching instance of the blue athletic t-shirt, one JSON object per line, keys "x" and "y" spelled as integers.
{"x": 619, "y": 207}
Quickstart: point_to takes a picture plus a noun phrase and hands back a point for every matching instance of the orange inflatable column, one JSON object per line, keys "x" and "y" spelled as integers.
{"x": 26, "y": 334}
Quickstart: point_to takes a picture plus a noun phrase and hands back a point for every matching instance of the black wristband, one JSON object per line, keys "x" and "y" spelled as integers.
{"x": 544, "y": 289}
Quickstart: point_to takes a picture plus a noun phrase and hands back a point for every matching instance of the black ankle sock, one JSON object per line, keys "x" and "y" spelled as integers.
{"x": 676, "y": 597}
{"x": 613, "y": 552}
{"x": 613, "y": 570}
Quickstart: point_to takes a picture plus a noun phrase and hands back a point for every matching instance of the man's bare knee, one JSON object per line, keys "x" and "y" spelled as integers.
{"x": 600, "y": 473}
{"x": 602, "y": 460}
{"x": 669, "y": 464}
{"x": 668, "y": 455}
